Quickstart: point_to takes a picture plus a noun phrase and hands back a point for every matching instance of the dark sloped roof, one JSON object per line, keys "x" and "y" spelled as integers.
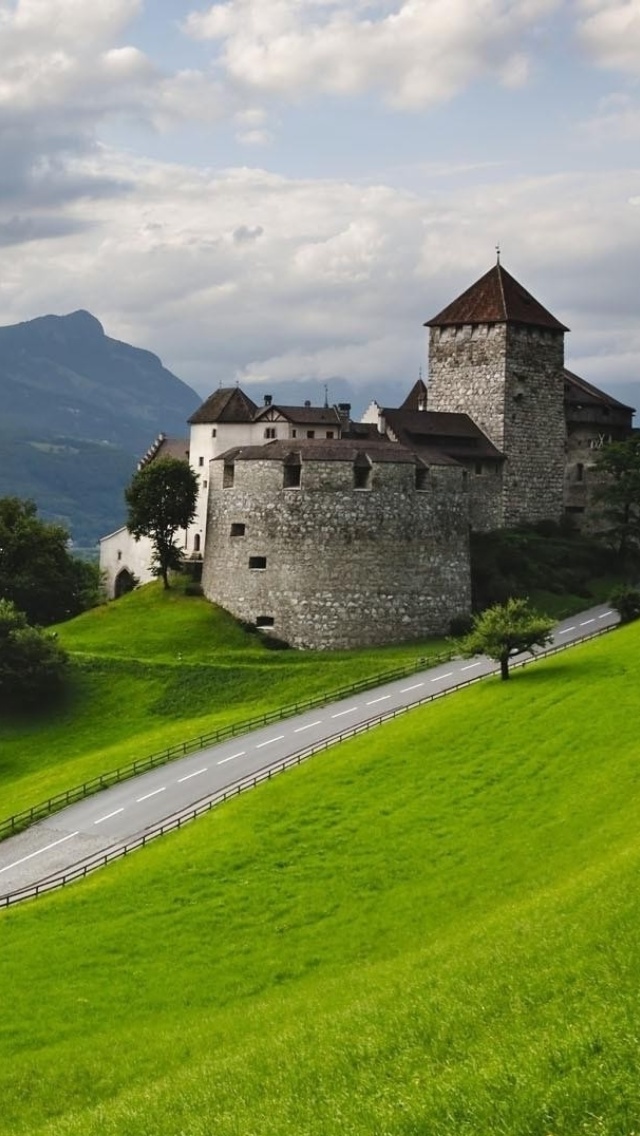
{"x": 322, "y": 449}
{"x": 577, "y": 390}
{"x": 496, "y": 298}
{"x": 416, "y": 398}
{"x": 229, "y": 404}
{"x": 455, "y": 435}
{"x": 304, "y": 415}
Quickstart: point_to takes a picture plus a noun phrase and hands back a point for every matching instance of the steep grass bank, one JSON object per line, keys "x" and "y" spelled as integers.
{"x": 430, "y": 930}
{"x": 154, "y": 669}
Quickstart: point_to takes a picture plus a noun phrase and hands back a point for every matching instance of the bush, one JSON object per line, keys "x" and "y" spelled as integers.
{"x": 626, "y": 601}
{"x": 33, "y": 665}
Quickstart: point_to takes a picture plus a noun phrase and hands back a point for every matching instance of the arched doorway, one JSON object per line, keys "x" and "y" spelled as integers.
{"x": 125, "y": 582}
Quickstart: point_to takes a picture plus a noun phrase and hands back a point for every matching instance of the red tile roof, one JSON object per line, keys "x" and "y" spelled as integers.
{"x": 496, "y": 298}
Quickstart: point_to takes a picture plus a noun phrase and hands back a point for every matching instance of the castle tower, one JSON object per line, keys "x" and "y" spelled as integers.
{"x": 497, "y": 355}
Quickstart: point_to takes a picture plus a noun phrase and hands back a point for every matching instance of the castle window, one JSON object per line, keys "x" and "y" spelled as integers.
{"x": 257, "y": 563}
{"x": 579, "y": 472}
{"x": 292, "y": 473}
{"x": 271, "y": 432}
{"x": 311, "y": 433}
{"x": 265, "y": 621}
{"x": 119, "y": 554}
{"x": 228, "y": 475}
{"x": 478, "y": 468}
{"x": 329, "y": 433}
{"x": 422, "y": 477}
{"x": 201, "y": 461}
{"x": 238, "y": 529}
{"x": 204, "y": 484}
{"x": 362, "y": 472}
{"x": 214, "y": 432}
{"x": 196, "y": 542}
{"x": 294, "y": 433}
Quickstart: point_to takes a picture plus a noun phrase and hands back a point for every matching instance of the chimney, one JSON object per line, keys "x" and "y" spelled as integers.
{"x": 344, "y": 411}
{"x": 268, "y": 399}
{"x": 307, "y": 403}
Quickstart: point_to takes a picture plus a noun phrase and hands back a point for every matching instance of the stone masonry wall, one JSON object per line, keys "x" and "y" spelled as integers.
{"x": 508, "y": 379}
{"x": 344, "y": 567}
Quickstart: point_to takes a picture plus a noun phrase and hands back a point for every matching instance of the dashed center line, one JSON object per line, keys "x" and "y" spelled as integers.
{"x": 447, "y": 675}
{"x": 383, "y": 698}
{"x": 270, "y": 741}
{"x": 568, "y": 629}
{"x": 605, "y": 614}
{"x": 109, "y": 815}
{"x": 586, "y": 621}
{"x": 190, "y": 775}
{"x": 406, "y": 689}
{"x": 153, "y": 794}
{"x": 232, "y": 757}
{"x": 341, "y": 712}
{"x": 301, "y": 729}
{"x": 39, "y": 852}
{"x": 470, "y": 666}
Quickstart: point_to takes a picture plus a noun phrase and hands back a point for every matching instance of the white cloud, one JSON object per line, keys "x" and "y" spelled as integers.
{"x": 244, "y": 274}
{"x": 610, "y": 31}
{"x": 415, "y": 52}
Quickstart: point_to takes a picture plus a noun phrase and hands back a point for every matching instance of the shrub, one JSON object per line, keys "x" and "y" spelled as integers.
{"x": 626, "y": 601}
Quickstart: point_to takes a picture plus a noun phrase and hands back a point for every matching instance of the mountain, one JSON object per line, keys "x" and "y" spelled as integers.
{"x": 77, "y": 410}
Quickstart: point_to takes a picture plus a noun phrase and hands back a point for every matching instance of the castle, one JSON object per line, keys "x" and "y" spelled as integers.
{"x": 330, "y": 533}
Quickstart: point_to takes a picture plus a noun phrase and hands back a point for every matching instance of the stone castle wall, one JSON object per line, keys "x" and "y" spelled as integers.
{"x": 508, "y": 379}
{"x": 341, "y": 567}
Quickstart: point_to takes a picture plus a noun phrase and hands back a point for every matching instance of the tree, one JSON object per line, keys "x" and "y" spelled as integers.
{"x": 626, "y": 601}
{"x": 32, "y": 663}
{"x": 506, "y": 630}
{"x": 619, "y": 494}
{"x": 37, "y": 571}
{"x": 161, "y": 499}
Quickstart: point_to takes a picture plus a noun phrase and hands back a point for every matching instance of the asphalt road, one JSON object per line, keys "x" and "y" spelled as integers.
{"x": 131, "y": 808}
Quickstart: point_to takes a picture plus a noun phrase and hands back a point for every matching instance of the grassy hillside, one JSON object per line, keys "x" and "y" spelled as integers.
{"x": 153, "y": 669}
{"x": 429, "y": 931}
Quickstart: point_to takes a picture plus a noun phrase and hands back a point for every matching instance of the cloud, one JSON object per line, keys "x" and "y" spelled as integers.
{"x": 415, "y": 53}
{"x": 610, "y": 32}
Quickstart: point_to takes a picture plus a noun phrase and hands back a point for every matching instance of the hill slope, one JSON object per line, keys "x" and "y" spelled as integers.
{"x": 77, "y": 409}
{"x": 430, "y": 930}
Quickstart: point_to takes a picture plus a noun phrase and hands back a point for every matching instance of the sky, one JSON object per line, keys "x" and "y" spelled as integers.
{"x": 279, "y": 192}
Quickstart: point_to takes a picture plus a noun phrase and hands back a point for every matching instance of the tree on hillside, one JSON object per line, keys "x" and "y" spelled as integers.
{"x": 37, "y": 571}
{"x": 619, "y": 494}
{"x": 161, "y": 500}
{"x": 506, "y": 630}
{"x": 32, "y": 663}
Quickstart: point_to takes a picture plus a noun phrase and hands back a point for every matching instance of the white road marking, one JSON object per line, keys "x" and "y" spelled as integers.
{"x": 39, "y": 852}
{"x": 190, "y": 775}
{"x": 470, "y": 666}
{"x": 382, "y": 698}
{"x": 232, "y": 758}
{"x": 447, "y": 675}
{"x": 406, "y": 689}
{"x": 341, "y": 712}
{"x": 302, "y": 728}
{"x": 270, "y": 741}
{"x": 605, "y": 614}
{"x": 568, "y": 629}
{"x": 153, "y": 794}
{"x": 586, "y": 621}
{"x": 109, "y": 815}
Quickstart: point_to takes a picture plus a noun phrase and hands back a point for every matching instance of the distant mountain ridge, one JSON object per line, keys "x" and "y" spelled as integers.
{"x": 77, "y": 409}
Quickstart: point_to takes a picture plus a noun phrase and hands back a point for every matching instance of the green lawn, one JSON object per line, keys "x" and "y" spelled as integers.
{"x": 429, "y": 931}
{"x": 152, "y": 670}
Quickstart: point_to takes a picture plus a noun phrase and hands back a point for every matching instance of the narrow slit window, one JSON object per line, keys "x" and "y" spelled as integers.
{"x": 422, "y": 477}
{"x": 257, "y": 563}
{"x": 200, "y": 461}
{"x": 238, "y": 529}
{"x": 196, "y": 542}
{"x": 580, "y": 472}
{"x": 228, "y": 475}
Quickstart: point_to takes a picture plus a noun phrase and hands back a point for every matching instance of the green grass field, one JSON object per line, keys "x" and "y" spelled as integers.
{"x": 152, "y": 670}
{"x": 431, "y": 930}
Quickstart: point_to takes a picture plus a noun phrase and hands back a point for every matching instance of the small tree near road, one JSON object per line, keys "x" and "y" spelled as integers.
{"x": 506, "y": 630}
{"x": 619, "y": 463}
{"x": 161, "y": 500}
